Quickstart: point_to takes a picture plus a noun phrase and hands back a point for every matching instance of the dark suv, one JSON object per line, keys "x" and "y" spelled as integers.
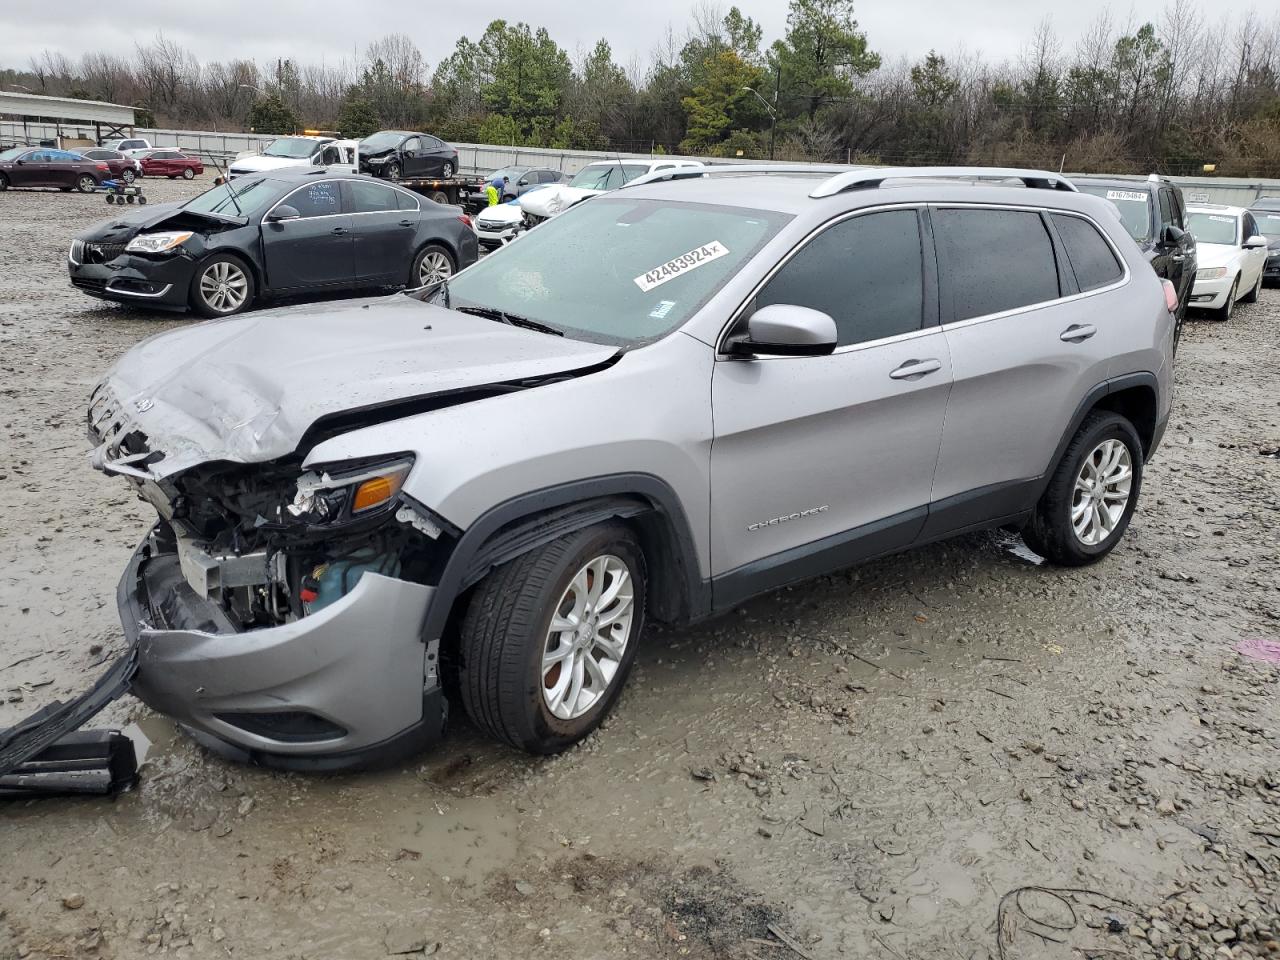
{"x": 1154, "y": 214}
{"x": 1266, "y": 211}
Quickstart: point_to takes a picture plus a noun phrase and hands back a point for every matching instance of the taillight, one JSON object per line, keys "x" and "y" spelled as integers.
{"x": 103, "y": 166}
{"x": 465, "y": 219}
{"x": 1170, "y": 295}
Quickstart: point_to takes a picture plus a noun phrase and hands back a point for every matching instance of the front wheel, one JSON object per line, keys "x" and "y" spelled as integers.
{"x": 433, "y": 264}
{"x": 549, "y": 638}
{"x": 223, "y": 285}
{"x": 86, "y": 183}
{"x": 1252, "y": 295}
{"x": 1224, "y": 312}
{"x": 188, "y": 174}
{"x": 1092, "y": 494}
{"x": 393, "y": 171}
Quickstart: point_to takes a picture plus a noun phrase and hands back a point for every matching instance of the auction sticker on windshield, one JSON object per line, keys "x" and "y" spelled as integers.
{"x": 673, "y": 268}
{"x": 1126, "y": 195}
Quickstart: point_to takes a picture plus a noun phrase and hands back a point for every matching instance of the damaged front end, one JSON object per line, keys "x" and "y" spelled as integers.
{"x": 279, "y": 609}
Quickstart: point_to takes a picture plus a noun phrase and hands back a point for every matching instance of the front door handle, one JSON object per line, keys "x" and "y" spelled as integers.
{"x": 338, "y": 231}
{"x": 915, "y": 369}
{"x": 1078, "y": 333}
{"x": 406, "y": 223}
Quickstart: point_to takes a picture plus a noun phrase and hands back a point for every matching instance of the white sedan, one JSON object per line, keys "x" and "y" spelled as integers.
{"x": 1232, "y": 254}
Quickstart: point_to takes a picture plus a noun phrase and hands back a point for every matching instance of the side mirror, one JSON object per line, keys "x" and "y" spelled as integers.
{"x": 524, "y": 182}
{"x": 1172, "y": 235}
{"x": 785, "y": 330}
{"x": 1254, "y": 242}
{"x": 283, "y": 212}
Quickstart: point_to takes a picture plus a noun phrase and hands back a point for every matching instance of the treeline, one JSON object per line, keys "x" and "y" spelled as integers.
{"x": 1171, "y": 95}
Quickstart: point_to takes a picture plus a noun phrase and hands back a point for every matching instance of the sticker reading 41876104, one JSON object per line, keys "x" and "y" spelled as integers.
{"x": 681, "y": 264}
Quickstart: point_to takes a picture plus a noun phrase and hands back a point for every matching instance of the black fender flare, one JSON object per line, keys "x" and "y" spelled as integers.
{"x": 532, "y": 519}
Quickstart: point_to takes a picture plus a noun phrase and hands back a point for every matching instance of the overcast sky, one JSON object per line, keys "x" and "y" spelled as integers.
{"x": 336, "y": 29}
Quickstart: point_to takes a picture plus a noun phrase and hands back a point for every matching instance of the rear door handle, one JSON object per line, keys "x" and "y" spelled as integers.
{"x": 915, "y": 369}
{"x": 1078, "y": 333}
{"x": 338, "y": 231}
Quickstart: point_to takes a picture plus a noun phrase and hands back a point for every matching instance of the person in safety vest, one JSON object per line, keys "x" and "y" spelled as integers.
{"x": 494, "y": 191}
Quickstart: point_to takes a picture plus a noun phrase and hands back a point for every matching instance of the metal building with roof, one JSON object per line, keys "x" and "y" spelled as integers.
{"x": 108, "y": 119}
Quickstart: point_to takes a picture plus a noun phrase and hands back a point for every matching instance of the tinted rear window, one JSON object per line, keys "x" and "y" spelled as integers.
{"x": 1094, "y": 263}
{"x": 994, "y": 260}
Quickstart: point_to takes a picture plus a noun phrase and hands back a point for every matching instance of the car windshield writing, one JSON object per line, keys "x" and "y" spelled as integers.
{"x": 294, "y": 148}
{"x": 250, "y": 196}
{"x": 1212, "y": 228}
{"x": 1134, "y": 207}
{"x": 618, "y": 271}
{"x": 1268, "y": 225}
{"x": 381, "y": 141}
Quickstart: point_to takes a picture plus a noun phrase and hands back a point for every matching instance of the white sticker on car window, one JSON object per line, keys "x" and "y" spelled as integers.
{"x": 1126, "y": 195}
{"x": 674, "y": 267}
{"x": 1273, "y": 216}
{"x": 1214, "y": 216}
{"x": 662, "y": 309}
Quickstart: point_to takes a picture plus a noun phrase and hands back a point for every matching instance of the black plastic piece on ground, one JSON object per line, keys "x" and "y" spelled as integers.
{"x": 88, "y": 761}
{"x": 46, "y": 726}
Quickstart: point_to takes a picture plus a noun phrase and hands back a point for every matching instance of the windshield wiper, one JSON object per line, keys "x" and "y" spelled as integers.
{"x": 511, "y": 319}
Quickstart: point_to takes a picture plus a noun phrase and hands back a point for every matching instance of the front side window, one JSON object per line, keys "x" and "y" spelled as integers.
{"x": 1166, "y": 208}
{"x": 866, "y": 272}
{"x": 372, "y": 197}
{"x": 413, "y": 143}
{"x": 994, "y": 260}
{"x": 1134, "y": 207}
{"x": 316, "y": 199}
{"x": 1250, "y": 228}
{"x": 1213, "y": 227}
{"x": 1091, "y": 257}
{"x": 618, "y": 271}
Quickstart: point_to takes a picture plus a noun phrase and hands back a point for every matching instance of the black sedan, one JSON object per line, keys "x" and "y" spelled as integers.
{"x": 396, "y": 154}
{"x": 269, "y": 235}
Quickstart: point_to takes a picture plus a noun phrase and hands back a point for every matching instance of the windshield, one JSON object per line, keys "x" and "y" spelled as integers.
{"x": 381, "y": 141}
{"x": 617, "y": 271}
{"x": 294, "y": 148}
{"x": 1268, "y": 223}
{"x": 10, "y": 155}
{"x": 1212, "y": 227}
{"x": 249, "y": 194}
{"x": 608, "y": 177}
{"x": 1134, "y": 207}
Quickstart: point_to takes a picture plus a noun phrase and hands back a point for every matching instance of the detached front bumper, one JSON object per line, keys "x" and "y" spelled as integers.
{"x": 1210, "y": 294}
{"x": 346, "y": 687}
{"x": 137, "y": 280}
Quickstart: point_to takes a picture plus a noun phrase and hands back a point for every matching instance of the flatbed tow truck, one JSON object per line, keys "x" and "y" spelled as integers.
{"x": 465, "y": 192}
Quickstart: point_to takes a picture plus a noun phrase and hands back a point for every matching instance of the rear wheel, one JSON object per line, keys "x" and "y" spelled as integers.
{"x": 128, "y": 176}
{"x": 86, "y": 183}
{"x": 223, "y": 285}
{"x": 1224, "y": 312}
{"x": 433, "y": 264}
{"x": 549, "y": 638}
{"x": 188, "y": 174}
{"x": 4, "y": 183}
{"x": 447, "y": 170}
{"x": 1252, "y": 295}
{"x": 1092, "y": 494}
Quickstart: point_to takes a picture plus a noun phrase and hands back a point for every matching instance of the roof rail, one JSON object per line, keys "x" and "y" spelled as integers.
{"x": 842, "y": 178}
{"x": 875, "y": 176}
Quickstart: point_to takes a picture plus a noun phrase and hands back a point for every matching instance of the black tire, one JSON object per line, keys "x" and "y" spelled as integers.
{"x": 415, "y": 272}
{"x": 128, "y": 198}
{"x": 439, "y": 196}
{"x": 128, "y": 176}
{"x": 196, "y": 299}
{"x": 87, "y": 183}
{"x": 111, "y": 198}
{"x": 504, "y": 634}
{"x": 1252, "y": 295}
{"x": 4, "y": 183}
{"x": 1224, "y": 312}
{"x": 446, "y": 171}
{"x": 1050, "y": 532}
{"x": 142, "y": 200}
{"x": 188, "y": 174}
{"x": 393, "y": 170}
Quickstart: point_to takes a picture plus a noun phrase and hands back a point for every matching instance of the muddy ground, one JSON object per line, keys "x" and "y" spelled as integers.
{"x": 894, "y": 762}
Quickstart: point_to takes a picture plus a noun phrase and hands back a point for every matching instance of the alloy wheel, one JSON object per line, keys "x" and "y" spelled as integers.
{"x": 588, "y": 637}
{"x": 393, "y": 171}
{"x": 86, "y": 184}
{"x": 223, "y": 286}
{"x": 188, "y": 174}
{"x": 128, "y": 176}
{"x": 435, "y": 267}
{"x": 1101, "y": 492}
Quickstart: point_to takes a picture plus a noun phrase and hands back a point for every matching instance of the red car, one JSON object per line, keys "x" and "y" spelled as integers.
{"x": 122, "y": 167}
{"x": 171, "y": 164}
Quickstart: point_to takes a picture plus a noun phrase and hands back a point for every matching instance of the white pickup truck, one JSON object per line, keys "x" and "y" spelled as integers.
{"x": 300, "y": 151}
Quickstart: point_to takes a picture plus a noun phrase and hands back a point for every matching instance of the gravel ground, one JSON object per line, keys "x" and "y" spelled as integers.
{"x": 951, "y": 753}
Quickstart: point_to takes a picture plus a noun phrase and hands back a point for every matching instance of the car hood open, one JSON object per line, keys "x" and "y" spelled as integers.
{"x": 248, "y": 388}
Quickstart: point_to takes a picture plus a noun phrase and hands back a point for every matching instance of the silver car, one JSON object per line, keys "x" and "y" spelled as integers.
{"x": 670, "y": 399}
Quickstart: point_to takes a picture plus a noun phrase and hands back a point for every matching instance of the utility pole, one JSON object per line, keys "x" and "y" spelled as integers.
{"x": 777, "y": 92}
{"x": 773, "y": 116}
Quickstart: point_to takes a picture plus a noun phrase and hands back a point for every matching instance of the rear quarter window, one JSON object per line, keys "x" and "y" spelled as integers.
{"x": 1091, "y": 257}
{"x": 994, "y": 260}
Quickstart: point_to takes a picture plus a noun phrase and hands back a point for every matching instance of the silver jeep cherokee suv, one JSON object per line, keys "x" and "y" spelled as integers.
{"x": 667, "y": 400}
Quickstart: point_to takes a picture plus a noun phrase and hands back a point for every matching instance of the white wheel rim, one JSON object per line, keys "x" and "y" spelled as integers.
{"x": 434, "y": 268}
{"x": 588, "y": 637}
{"x": 1102, "y": 492}
{"x": 224, "y": 286}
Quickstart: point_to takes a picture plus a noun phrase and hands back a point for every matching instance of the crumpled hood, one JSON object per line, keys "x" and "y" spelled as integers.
{"x": 122, "y": 226}
{"x": 247, "y": 388}
{"x": 552, "y": 200}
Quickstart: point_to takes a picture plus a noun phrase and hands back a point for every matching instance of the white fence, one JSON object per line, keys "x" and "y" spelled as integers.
{"x": 480, "y": 157}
